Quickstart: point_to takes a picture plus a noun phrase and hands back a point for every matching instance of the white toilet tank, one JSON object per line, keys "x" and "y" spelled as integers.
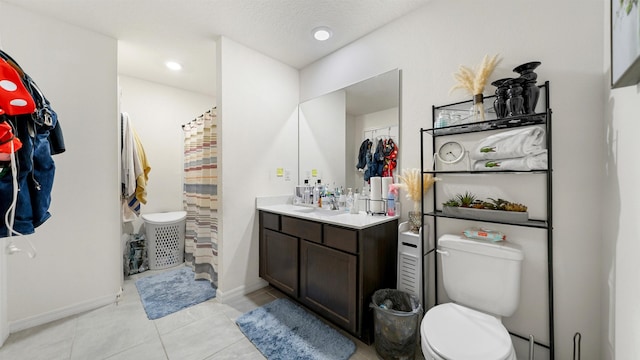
{"x": 480, "y": 274}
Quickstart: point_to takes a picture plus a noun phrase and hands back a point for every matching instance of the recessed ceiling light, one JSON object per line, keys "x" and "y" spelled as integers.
{"x": 322, "y": 33}
{"x": 173, "y": 65}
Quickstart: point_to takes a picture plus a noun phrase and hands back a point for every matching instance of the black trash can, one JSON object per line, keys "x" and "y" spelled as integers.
{"x": 396, "y": 323}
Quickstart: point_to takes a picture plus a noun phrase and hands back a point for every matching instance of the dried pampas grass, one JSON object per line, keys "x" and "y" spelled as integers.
{"x": 474, "y": 82}
{"x": 410, "y": 182}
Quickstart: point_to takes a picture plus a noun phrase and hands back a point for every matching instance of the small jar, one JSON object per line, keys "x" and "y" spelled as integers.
{"x": 443, "y": 120}
{"x": 456, "y": 119}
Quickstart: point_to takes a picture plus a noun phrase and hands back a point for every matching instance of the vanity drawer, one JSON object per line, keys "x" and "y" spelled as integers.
{"x": 270, "y": 221}
{"x": 307, "y": 230}
{"x": 341, "y": 238}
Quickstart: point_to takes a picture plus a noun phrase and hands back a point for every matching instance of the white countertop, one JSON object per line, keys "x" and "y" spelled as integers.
{"x": 334, "y": 217}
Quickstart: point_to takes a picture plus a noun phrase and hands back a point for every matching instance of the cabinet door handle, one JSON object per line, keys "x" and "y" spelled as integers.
{"x": 442, "y": 252}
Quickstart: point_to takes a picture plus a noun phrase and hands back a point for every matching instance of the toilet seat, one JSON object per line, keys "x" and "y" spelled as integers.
{"x": 455, "y": 332}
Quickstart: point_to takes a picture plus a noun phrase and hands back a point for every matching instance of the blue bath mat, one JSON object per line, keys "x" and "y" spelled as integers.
{"x": 282, "y": 330}
{"x": 172, "y": 290}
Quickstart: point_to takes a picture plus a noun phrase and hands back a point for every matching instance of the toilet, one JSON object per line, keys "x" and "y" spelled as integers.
{"x": 482, "y": 279}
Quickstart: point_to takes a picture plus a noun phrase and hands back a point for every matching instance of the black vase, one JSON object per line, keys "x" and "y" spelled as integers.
{"x": 530, "y": 91}
{"x": 515, "y": 101}
{"x": 500, "y": 103}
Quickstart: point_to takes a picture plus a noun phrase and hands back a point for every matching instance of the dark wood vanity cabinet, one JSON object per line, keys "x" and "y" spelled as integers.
{"x": 328, "y": 283}
{"x": 280, "y": 253}
{"x": 330, "y": 269}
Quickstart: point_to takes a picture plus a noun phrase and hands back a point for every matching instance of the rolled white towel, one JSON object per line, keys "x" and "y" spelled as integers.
{"x": 531, "y": 162}
{"x": 510, "y": 144}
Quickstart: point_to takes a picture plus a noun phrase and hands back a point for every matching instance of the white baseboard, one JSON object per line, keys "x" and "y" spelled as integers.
{"x": 58, "y": 314}
{"x": 227, "y": 296}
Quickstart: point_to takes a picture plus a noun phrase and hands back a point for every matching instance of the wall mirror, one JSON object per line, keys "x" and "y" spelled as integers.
{"x": 332, "y": 127}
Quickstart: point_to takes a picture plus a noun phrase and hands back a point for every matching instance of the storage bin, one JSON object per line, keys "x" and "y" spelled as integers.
{"x": 165, "y": 237}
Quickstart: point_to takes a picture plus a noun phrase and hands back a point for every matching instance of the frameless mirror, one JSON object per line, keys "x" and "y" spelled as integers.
{"x": 332, "y": 127}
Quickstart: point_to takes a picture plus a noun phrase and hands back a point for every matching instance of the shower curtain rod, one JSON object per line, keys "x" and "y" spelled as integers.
{"x": 206, "y": 112}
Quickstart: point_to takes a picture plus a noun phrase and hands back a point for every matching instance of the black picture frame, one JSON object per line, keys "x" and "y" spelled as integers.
{"x": 625, "y": 43}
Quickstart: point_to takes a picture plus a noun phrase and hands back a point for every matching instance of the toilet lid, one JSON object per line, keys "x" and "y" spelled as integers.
{"x": 446, "y": 327}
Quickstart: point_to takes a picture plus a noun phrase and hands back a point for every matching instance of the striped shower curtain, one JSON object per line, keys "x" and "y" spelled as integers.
{"x": 201, "y": 196}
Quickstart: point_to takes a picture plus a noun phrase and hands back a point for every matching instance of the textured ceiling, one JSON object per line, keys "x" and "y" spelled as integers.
{"x": 153, "y": 31}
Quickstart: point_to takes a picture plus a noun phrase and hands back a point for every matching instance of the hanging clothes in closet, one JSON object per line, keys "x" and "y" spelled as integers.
{"x": 379, "y": 159}
{"x": 30, "y": 134}
{"x": 135, "y": 170}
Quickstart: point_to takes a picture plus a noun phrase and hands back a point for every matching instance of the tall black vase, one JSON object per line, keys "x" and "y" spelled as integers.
{"x": 530, "y": 91}
{"x": 515, "y": 101}
{"x": 500, "y": 103}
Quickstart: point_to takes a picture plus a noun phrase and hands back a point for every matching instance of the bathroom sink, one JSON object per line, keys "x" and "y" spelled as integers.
{"x": 303, "y": 209}
{"x": 317, "y": 211}
{"x": 327, "y": 212}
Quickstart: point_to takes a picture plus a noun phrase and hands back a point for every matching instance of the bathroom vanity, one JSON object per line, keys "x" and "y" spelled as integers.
{"x": 330, "y": 261}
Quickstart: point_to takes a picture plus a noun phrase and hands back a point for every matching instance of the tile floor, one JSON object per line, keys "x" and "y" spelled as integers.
{"x": 121, "y": 331}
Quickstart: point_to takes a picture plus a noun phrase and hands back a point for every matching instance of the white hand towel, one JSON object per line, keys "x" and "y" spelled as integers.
{"x": 531, "y": 162}
{"x": 509, "y": 144}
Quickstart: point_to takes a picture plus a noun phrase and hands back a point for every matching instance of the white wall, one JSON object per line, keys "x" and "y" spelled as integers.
{"x": 321, "y": 134}
{"x": 257, "y": 104}
{"x": 157, "y": 113}
{"x": 621, "y": 211}
{"x": 75, "y": 267}
{"x": 429, "y": 44}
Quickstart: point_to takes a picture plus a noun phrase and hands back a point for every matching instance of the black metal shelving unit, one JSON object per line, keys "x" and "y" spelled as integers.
{"x": 541, "y": 118}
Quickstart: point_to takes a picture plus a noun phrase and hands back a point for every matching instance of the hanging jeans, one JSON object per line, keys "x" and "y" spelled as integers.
{"x": 36, "y": 171}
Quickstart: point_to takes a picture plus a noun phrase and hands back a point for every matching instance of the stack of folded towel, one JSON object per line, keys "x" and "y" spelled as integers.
{"x": 520, "y": 149}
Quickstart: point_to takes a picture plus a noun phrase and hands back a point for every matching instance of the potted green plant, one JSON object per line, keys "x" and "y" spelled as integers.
{"x": 469, "y": 206}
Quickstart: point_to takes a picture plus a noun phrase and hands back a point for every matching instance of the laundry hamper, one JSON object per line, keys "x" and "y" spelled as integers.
{"x": 165, "y": 237}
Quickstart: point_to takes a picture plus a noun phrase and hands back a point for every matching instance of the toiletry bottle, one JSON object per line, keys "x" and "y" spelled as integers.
{"x": 349, "y": 208}
{"x": 355, "y": 208}
{"x": 391, "y": 204}
{"x": 327, "y": 194}
{"x": 363, "y": 199}
{"x": 443, "y": 119}
{"x": 296, "y": 199}
{"x": 342, "y": 200}
{"x": 316, "y": 193}
{"x": 307, "y": 192}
